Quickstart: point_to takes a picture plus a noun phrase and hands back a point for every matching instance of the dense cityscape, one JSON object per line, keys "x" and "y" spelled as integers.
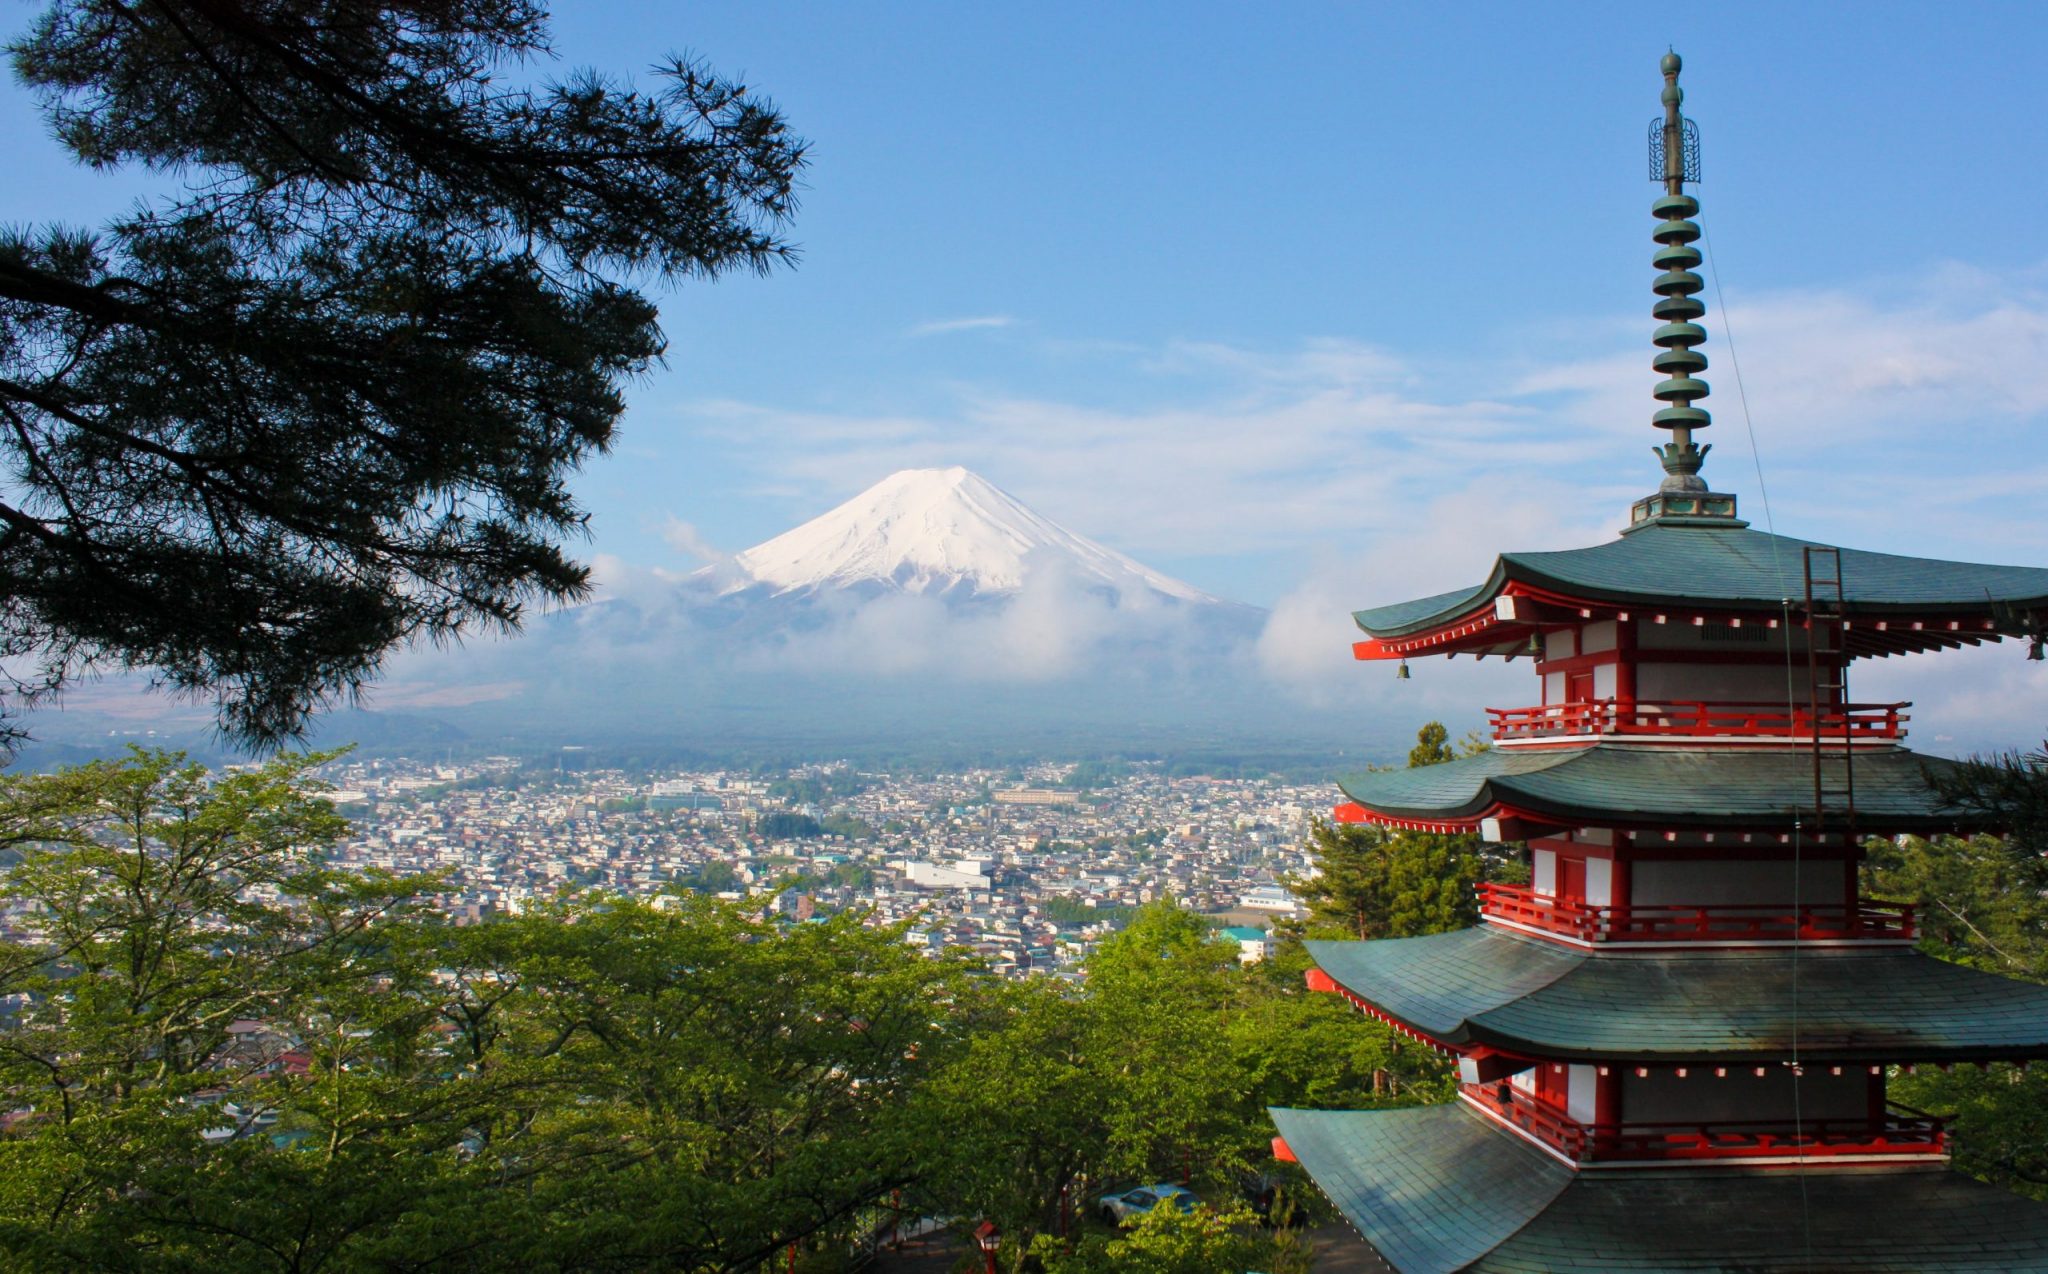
{"x": 1026, "y": 866}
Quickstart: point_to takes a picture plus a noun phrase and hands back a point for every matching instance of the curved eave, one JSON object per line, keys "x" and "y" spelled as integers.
{"x": 1436, "y": 1189}
{"x": 1488, "y": 987}
{"x": 1925, "y": 603}
{"x": 1658, "y": 788}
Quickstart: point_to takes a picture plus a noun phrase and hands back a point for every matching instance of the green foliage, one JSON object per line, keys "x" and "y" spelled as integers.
{"x": 1432, "y": 746}
{"x": 817, "y": 789}
{"x": 714, "y": 877}
{"x": 1169, "y": 1241}
{"x": 1089, "y": 775}
{"x": 1380, "y": 883}
{"x": 596, "y": 1084}
{"x": 1069, "y": 912}
{"x": 225, "y": 1055}
{"x": 1160, "y": 1067}
{"x": 852, "y": 875}
{"x": 1377, "y": 883}
{"x": 845, "y": 825}
{"x": 328, "y": 397}
{"x": 1977, "y": 903}
{"x": 2011, "y": 789}
{"x": 783, "y": 825}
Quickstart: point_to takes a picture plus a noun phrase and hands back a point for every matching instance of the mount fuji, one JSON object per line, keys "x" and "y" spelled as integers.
{"x": 932, "y": 605}
{"x": 944, "y": 533}
{"x": 931, "y": 615}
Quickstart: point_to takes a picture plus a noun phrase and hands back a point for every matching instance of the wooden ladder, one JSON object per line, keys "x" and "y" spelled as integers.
{"x": 1827, "y": 679}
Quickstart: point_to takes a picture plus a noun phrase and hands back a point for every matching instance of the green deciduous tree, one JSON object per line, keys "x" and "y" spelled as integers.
{"x": 218, "y": 1052}
{"x": 1169, "y": 1241}
{"x": 1979, "y": 901}
{"x": 186, "y": 967}
{"x": 327, "y": 398}
{"x": 1160, "y": 1067}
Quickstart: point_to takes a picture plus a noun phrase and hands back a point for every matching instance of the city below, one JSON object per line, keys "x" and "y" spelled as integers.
{"x": 1027, "y": 866}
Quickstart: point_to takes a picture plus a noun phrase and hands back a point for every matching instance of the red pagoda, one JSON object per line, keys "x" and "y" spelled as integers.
{"x": 1673, "y": 1045}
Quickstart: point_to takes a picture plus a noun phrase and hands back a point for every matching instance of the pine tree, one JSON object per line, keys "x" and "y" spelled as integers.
{"x": 326, "y": 399}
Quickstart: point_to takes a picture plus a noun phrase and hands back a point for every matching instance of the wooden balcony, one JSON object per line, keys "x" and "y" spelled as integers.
{"x": 1687, "y": 719}
{"x": 1868, "y": 920}
{"x": 1903, "y": 1132}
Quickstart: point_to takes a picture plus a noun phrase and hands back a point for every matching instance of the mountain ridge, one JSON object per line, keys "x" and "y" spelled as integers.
{"x": 946, "y": 533}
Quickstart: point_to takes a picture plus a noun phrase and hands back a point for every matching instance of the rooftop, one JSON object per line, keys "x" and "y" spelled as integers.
{"x": 1437, "y": 1188}
{"x": 1727, "y": 569}
{"x": 1659, "y": 787}
{"x": 1486, "y": 986}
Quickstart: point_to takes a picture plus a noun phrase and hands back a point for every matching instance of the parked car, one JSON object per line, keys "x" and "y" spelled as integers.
{"x": 1118, "y": 1208}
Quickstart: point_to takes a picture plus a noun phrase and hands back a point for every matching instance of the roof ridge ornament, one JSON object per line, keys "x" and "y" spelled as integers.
{"x": 1683, "y": 497}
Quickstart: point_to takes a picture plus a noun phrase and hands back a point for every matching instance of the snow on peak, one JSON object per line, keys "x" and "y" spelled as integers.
{"x": 938, "y": 531}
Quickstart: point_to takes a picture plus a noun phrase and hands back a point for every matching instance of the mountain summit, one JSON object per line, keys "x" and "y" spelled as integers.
{"x": 939, "y": 532}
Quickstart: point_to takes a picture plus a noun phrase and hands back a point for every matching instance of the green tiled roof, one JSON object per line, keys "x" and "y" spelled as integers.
{"x": 1734, "y": 568}
{"x": 1439, "y": 1189}
{"x": 1432, "y": 1188}
{"x": 1662, "y": 787}
{"x": 1489, "y": 986}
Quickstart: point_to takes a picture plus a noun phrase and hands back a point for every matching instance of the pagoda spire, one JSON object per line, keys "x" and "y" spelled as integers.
{"x": 1674, "y": 161}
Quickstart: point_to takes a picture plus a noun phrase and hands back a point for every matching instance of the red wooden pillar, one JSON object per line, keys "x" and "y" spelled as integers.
{"x": 1620, "y": 883}
{"x": 1606, "y": 1104}
{"x": 1625, "y": 668}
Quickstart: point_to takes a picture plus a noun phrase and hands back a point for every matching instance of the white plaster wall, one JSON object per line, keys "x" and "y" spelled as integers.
{"x": 1604, "y": 681}
{"x": 1594, "y": 638}
{"x": 1543, "y": 872}
{"x": 1578, "y": 1102}
{"x": 1599, "y": 881}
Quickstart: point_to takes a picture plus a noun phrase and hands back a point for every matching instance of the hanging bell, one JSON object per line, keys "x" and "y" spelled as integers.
{"x": 1401, "y": 673}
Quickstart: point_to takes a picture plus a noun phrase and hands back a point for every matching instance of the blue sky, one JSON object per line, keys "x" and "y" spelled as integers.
{"x": 1319, "y": 306}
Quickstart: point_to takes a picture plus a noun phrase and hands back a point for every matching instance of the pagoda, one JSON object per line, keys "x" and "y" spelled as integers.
{"x": 1673, "y": 1045}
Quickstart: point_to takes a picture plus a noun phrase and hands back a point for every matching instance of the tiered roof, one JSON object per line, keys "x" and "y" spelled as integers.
{"x": 1714, "y": 569}
{"x": 1440, "y": 1188}
{"x": 1501, "y": 990}
{"x": 1632, "y": 785}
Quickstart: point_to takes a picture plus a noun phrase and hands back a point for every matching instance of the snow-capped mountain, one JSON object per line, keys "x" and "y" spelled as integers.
{"x": 943, "y": 533}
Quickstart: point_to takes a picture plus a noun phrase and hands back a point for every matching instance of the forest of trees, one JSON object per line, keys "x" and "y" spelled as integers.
{"x": 219, "y": 1053}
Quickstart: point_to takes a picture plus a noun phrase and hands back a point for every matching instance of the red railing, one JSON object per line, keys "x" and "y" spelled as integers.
{"x": 1700, "y": 719}
{"x": 1732, "y": 922}
{"x": 1905, "y": 1132}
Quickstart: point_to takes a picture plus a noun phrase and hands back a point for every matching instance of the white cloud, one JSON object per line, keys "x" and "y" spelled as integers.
{"x": 684, "y": 538}
{"x": 1930, "y": 392}
{"x": 941, "y": 327}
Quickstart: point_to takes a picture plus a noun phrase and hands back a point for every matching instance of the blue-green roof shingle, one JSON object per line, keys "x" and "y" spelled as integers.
{"x": 1666, "y": 787}
{"x": 1438, "y": 1189}
{"x": 1489, "y": 986}
{"x": 1738, "y": 569}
